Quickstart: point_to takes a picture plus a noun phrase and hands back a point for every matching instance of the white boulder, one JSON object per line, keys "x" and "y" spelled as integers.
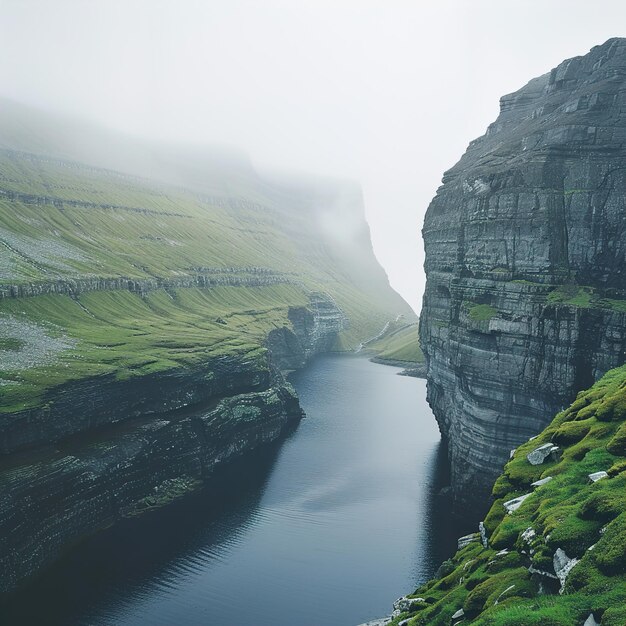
{"x": 515, "y": 503}
{"x": 542, "y": 453}
{"x": 596, "y": 476}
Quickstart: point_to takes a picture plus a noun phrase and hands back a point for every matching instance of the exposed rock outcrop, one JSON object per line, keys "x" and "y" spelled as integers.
{"x": 119, "y": 448}
{"x": 525, "y": 254}
{"x": 202, "y": 277}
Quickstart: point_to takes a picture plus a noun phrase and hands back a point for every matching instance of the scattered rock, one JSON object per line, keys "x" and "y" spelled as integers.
{"x": 466, "y": 540}
{"x": 596, "y": 476}
{"x": 542, "y": 453}
{"x": 404, "y": 604}
{"x": 541, "y": 572}
{"x": 459, "y": 613}
{"x": 562, "y": 566}
{"x": 505, "y": 591}
{"x": 529, "y": 534}
{"x": 543, "y": 481}
{"x": 483, "y": 534}
{"x": 515, "y": 503}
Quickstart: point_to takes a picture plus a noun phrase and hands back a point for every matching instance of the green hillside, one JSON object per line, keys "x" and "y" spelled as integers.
{"x": 399, "y": 343}
{"x": 178, "y": 254}
{"x": 514, "y": 580}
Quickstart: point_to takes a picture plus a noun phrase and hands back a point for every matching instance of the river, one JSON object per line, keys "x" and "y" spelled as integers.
{"x": 324, "y": 528}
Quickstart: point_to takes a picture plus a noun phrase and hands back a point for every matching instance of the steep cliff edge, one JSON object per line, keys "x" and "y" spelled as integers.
{"x": 525, "y": 252}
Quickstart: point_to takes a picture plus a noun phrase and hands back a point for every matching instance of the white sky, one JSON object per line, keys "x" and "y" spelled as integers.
{"x": 387, "y": 92}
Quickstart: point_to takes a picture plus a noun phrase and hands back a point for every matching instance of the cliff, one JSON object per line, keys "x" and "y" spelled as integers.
{"x": 525, "y": 252}
{"x": 151, "y": 298}
{"x": 552, "y": 549}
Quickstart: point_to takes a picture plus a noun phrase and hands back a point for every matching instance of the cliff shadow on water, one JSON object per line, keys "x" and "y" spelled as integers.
{"x": 124, "y": 561}
{"x": 444, "y": 522}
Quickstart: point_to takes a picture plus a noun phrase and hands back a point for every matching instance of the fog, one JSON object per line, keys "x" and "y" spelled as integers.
{"x": 388, "y": 93}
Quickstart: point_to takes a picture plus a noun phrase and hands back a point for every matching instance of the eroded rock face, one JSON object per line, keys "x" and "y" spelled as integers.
{"x": 525, "y": 260}
{"x": 120, "y": 448}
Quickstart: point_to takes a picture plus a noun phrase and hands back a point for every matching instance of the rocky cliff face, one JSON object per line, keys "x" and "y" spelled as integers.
{"x": 106, "y": 449}
{"x": 525, "y": 254}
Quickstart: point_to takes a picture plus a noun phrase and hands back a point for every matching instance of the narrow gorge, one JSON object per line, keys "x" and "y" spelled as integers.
{"x": 148, "y": 315}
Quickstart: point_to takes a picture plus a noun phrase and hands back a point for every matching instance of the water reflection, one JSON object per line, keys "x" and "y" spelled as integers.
{"x": 325, "y": 528}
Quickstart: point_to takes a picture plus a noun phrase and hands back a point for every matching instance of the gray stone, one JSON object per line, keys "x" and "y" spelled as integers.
{"x": 459, "y": 613}
{"x": 596, "y": 476}
{"x": 466, "y": 540}
{"x": 515, "y": 503}
{"x": 405, "y": 603}
{"x": 542, "y": 453}
{"x": 563, "y": 565}
{"x": 543, "y": 481}
{"x": 591, "y": 621}
{"x": 483, "y": 534}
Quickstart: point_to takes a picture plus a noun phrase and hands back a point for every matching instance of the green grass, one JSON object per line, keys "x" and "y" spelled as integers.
{"x": 14, "y": 344}
{"x": 113, "y": 225}
{"x": 399, "y": 344}
{"x": 481, "y": 312}
{"x": 571, "y": 294}
{"x": 123, "y": 334}
{"x": 568, "y": 512}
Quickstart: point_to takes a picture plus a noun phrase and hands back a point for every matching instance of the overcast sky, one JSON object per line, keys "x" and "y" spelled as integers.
{"x": 386, "y": 92}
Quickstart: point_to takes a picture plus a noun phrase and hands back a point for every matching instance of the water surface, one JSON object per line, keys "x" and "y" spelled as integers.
{"x": 325, "y": 528}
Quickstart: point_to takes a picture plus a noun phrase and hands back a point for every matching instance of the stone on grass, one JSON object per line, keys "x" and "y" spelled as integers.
{"x": 542, "y": 453}
{"x": 515, "y": 503}
{"x": 483, "y": 534}
{"x": 466, "y": 540}
{"x": 591, "y": 621}
{"x": 459, "y": 613}
{"x": 404, "y": 604}
{"x": 596, "y": 476}
{"x": 562, "y": 566}
{"x": 543, "y": 481}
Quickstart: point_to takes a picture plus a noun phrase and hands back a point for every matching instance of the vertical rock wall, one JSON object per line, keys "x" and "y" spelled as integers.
{"x": 525, "y": 260}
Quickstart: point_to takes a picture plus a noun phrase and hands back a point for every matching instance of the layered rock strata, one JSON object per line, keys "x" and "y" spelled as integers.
{"x": 525, "y": 253}
{"x": 110, "y": 448}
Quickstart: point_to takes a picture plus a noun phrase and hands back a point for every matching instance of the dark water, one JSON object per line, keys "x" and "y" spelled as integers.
{"x": 325, "y": 528}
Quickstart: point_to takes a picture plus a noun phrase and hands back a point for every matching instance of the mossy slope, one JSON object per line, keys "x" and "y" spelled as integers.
{"x": 499, "y": 585}
{"x": 164, "y": 214}
{"x": 400, "y": 343}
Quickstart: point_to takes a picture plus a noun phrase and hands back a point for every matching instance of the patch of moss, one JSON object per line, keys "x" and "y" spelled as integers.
{"x": 610, "y": 552}
{"x": 573, "y": 295}
{"x": 481, "y": 312}
{"x": 11, "y": 344}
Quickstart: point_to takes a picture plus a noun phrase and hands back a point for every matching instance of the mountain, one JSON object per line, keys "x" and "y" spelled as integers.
{"x": 151, "y": 297}
{"x": 525, "y": 242}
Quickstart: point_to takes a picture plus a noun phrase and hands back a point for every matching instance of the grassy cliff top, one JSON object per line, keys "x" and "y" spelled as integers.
{"x": 87, "y": 213}
{"x": 400, "y": 342}
{"x": 515, "y": 578}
